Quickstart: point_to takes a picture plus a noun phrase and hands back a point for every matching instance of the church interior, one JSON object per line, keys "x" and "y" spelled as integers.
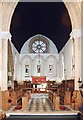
{"x": 42, "y": 74}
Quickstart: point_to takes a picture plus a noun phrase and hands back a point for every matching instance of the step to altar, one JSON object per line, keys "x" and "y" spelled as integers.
{"x": 39, "y": 95}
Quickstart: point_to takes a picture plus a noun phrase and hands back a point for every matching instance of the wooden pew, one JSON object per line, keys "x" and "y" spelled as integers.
{"x": 6, "y": 100}
{"x": 77, "y": 100}
{"x": 55, "y": 100}
{"x": 25, "y": 100}
{"x": 13, "y": 97}
{"x": 67, "y": 98}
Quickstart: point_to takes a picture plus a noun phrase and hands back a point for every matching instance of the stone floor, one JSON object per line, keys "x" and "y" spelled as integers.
{"x": 40, "y": 104}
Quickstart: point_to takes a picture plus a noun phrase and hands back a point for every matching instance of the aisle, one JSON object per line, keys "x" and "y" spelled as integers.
{"x": 39, "y": 108}
{"x": 40, "y": 105}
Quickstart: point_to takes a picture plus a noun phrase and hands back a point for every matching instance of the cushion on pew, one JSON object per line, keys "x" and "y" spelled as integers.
{"x": 18, "y": 107}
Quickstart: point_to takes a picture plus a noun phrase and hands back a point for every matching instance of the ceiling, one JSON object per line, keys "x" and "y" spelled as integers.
{"x": 50, "y": 19}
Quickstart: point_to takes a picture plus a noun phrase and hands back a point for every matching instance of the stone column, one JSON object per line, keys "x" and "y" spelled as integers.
{"x": 4, "y": 36}
{"x": 82, "y": 54}
{"x": 0, "y": 61}
{"x": 82, "y": 41}
{"x": 76, "y": 37}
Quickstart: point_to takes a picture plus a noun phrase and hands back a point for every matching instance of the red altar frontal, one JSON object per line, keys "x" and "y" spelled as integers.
{"x": 38, "y": 79}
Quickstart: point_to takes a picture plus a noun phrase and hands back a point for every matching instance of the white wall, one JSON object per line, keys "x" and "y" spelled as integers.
{"x": 26, "y": 50}
{"x": 46, "y": 59}
{"x": 42, "y": 66}
{"x": 16, "y": 59}
{"x": 25, "y": 60}
{"x": 67, "y": 52}
{"x": 51, "y": 60}
{"x": 32, "y": 60}
{"x": 60, "y": 65}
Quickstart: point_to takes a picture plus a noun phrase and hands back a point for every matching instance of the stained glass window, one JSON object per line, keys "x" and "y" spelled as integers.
{"x": 39, "y": 46}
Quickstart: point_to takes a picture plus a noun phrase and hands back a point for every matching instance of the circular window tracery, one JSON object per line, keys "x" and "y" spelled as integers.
{"x": 39, "y": 46}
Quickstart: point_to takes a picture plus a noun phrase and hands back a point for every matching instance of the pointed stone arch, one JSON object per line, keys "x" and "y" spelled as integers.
{"x": 74, "y": 10}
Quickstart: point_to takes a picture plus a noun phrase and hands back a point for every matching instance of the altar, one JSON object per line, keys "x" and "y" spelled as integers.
{"x": 39, "y": 83}
{"x": 39, "y": 79}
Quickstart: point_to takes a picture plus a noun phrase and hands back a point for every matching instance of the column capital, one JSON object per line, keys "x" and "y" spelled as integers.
{"x": 76, "y": 33}
{"x": 5, "y": 35}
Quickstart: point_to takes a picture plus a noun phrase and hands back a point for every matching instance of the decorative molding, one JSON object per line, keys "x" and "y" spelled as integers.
{"x": 5, "y": 35}
{"x": 76, "y": 33}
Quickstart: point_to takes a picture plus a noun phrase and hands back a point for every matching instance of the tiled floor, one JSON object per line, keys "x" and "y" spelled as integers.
{"x": 40, "y": 104}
